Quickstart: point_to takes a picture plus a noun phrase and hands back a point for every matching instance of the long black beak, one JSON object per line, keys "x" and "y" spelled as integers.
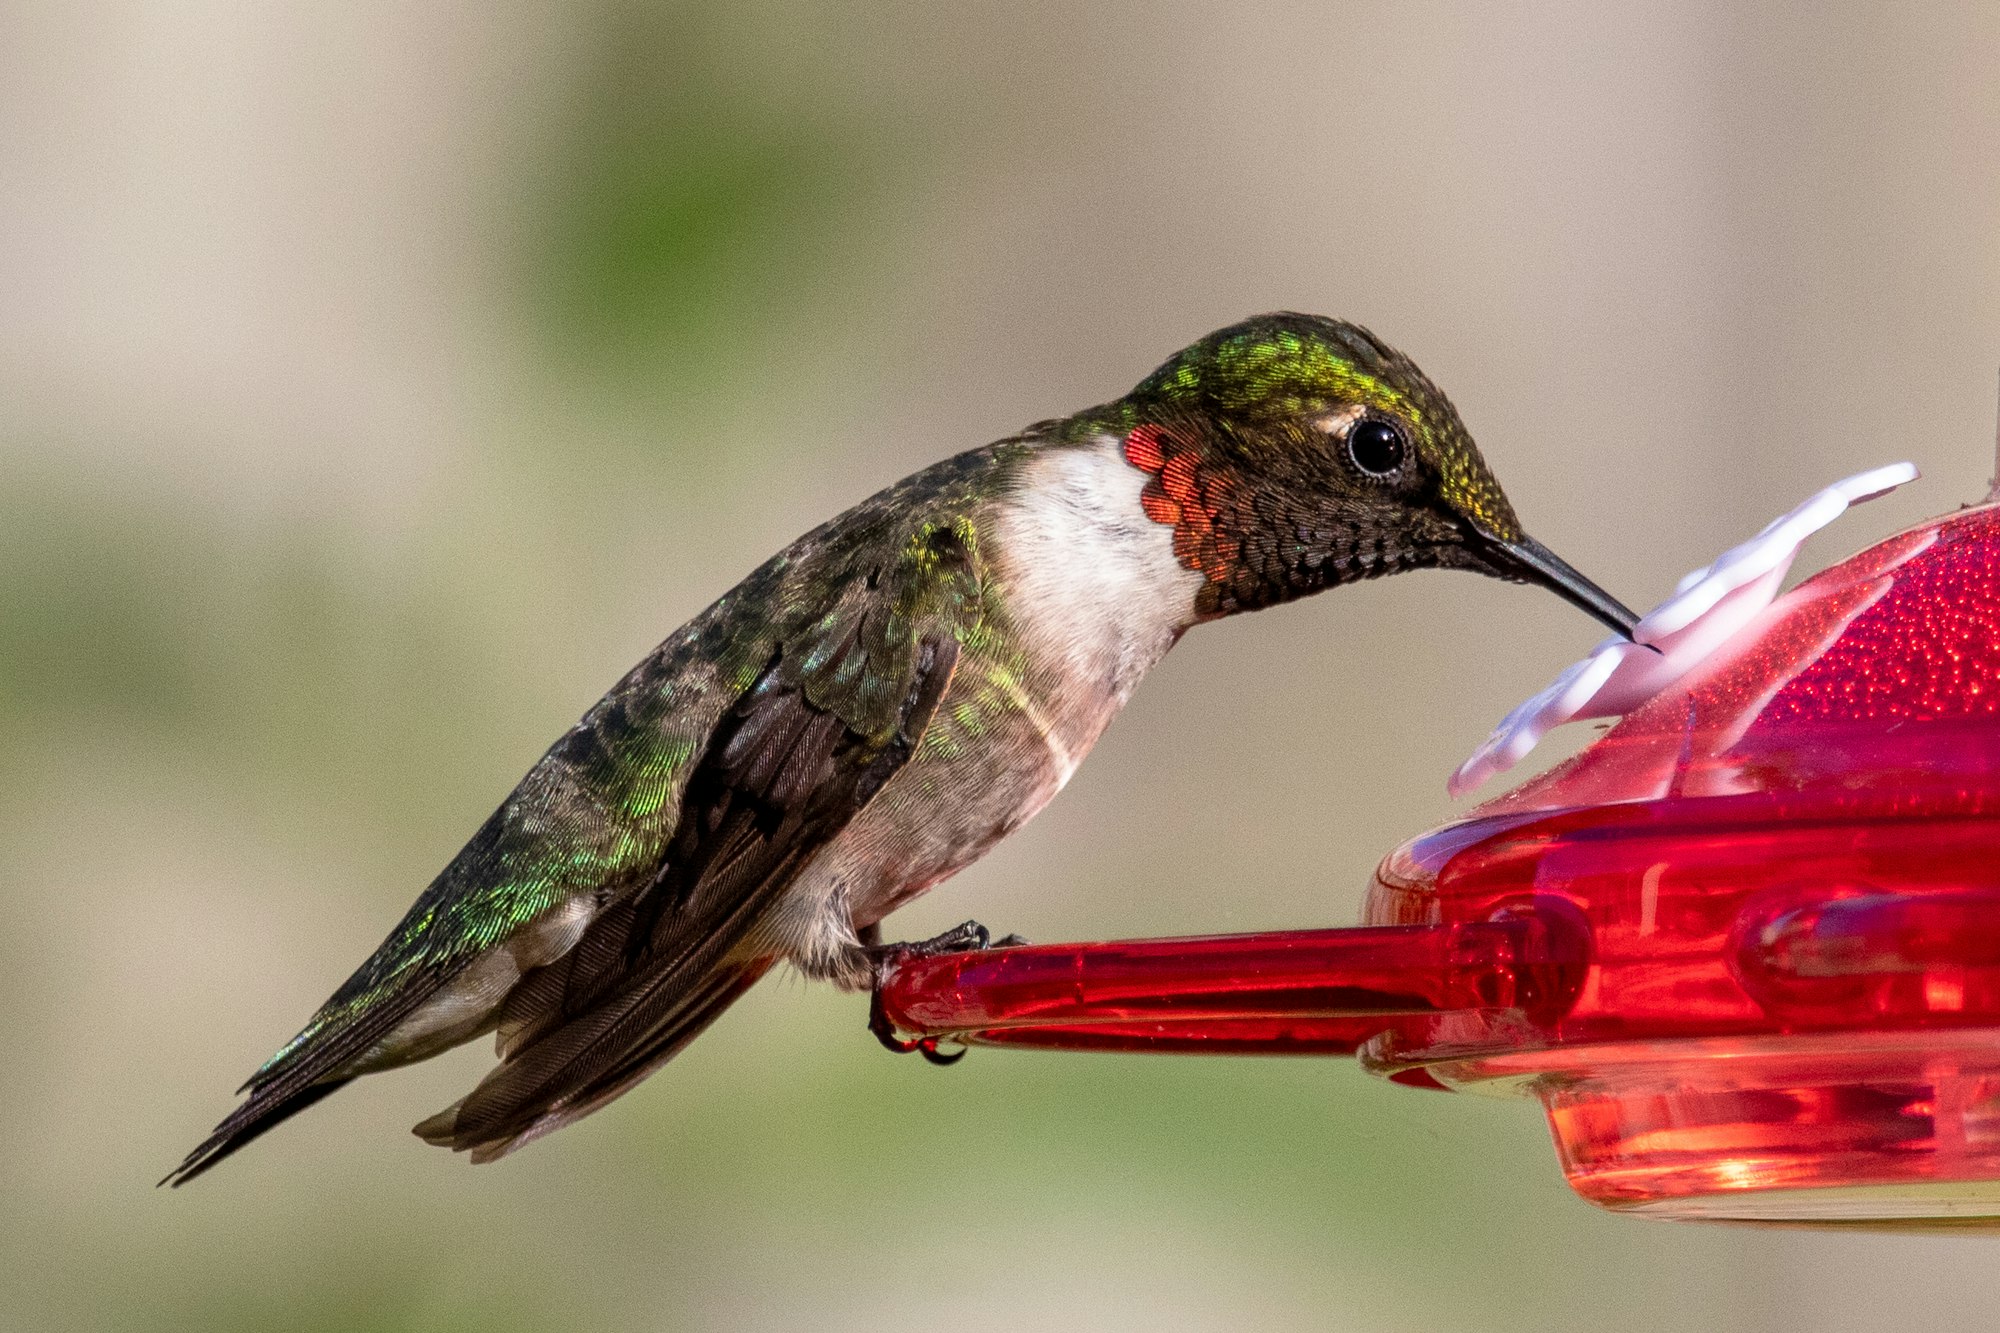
{"x": 1531, "y": 562}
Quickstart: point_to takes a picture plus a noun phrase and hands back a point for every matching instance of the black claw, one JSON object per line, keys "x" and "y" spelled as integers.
{"x": 878, "y": 1023}
{"x": 928, "y": 1048}
{"x": 966, "y": 937}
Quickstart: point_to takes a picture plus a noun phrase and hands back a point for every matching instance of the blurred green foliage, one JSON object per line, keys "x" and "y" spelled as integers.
{"x": 676, "y": 212}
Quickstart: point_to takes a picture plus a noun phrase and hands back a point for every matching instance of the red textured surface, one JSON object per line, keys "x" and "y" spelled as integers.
{"x": 1926, "y": 650}
{"x": 1745, "y": 948}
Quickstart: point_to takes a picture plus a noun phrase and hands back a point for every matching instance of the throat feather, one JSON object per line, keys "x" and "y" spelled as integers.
{"x": 1191, "y": 498}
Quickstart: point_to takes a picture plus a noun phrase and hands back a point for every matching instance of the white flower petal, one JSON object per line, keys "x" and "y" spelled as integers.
{"x": 1770, "y": 549}
{"x": 1707, "y": 609}
{"x": 1521, "y": 730}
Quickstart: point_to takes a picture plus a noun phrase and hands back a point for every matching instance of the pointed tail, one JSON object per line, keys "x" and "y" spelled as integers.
{"x": 267, "y": 1108}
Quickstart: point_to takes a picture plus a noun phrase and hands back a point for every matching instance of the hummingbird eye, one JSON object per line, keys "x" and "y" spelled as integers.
{"x": 1376, "y": 447}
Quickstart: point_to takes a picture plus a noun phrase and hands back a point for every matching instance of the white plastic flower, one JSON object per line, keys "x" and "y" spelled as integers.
{"x": 1706, "y": 610}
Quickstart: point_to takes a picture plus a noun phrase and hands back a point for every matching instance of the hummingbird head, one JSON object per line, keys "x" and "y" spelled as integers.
{"x": 1291, "y": 453}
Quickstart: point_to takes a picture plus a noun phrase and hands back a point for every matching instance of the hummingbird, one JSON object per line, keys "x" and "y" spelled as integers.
{"x": 878, "y": 705}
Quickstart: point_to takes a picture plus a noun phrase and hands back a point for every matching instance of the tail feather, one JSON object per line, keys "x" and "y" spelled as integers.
{"x": 314, "y": 1065}
{"x": 502, "y": 1114}
{"x": 266, "y": 1110}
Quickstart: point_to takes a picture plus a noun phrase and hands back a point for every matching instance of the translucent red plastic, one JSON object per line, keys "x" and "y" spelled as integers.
{"x": 1312, "y": 992}
{"x": 1744, "y": 948}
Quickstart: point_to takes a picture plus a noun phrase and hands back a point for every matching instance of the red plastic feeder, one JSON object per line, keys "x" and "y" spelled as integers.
{"x": 1745, "y": 948}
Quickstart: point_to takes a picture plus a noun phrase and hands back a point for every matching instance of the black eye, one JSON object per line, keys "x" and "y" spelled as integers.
{"x": 1376, "y": 446}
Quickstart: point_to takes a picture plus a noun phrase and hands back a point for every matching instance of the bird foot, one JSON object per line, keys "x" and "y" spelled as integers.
{"x": 967, "y": 937}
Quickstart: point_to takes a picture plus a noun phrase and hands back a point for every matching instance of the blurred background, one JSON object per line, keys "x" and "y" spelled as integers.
{"x": 378, "y": 383}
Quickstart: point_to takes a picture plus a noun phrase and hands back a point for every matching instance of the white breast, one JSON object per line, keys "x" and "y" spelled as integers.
{"x": 1093, "y": 584}
{"x": 1094, "y": 597}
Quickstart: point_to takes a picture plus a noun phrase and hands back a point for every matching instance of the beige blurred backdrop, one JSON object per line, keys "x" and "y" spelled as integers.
{"x": 377, "y": 383}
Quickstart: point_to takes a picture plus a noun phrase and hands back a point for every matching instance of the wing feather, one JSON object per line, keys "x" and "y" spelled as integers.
{"x": 783, "y": 777}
